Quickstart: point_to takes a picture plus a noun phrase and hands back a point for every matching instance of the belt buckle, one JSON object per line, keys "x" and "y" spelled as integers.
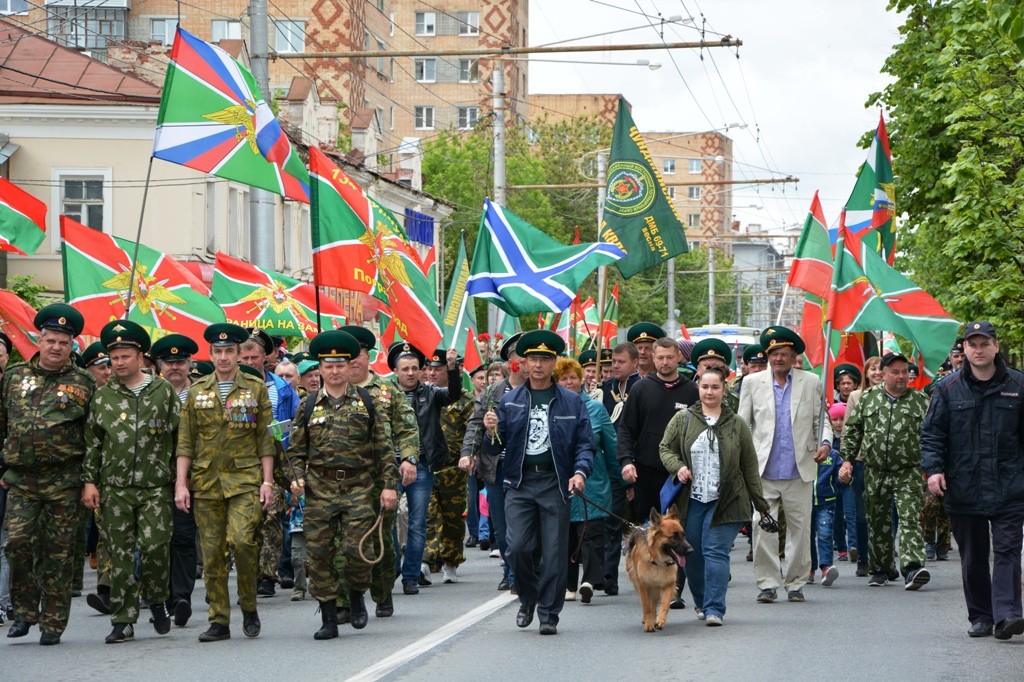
{"x": 340, "y": 474}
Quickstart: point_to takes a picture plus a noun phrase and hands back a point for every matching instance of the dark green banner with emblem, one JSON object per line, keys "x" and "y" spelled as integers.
{"x": 639, "y": 218}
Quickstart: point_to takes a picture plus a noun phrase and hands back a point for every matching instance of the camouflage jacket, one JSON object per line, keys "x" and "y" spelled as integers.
{"x": 399, "y": 418}
{"x": 226, "y": 440}
{"x": 129, "y": 439}
{"x": 886, "y": 433}
{"x": 454, "y": 420}
{"x": 339, "y": 437}
{"x": 42, "y": 422}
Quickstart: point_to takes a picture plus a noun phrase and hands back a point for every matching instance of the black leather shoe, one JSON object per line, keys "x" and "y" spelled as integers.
{"x": 250, "y": 624}
{"x": 19, "y": 628}
{"x": 1005, "y": 629}
{"x": 287, "y": 583}
{"x": 329, "y": 620}
{"x": 99, "y": 601}
{"x": 472, "y": 541}
{"x": 49, "y": 638}
{"x": 216, "y": 633}
{"x": 980, "y": 629}
{"x": 485, "y": 545}
{"x": 525, "y": 615}
{"x": 161, "y": 619}
{"x": 503, "y": 585}
{"x": 386, "y": 608}
{"x": 548, "y": 629}
{"x": 410, "y": 587}
{"x": 182, "y": 612}
{"x": 357, "y": 605}
{"x": 611, "y": 588}
{"x": 265, "y": 588}
{"x": 344, "y": 615}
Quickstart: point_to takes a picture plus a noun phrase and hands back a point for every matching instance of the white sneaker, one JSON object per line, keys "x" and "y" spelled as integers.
{"x": 448, "y": 574}
{"x": 586, "y": 592}
{"x": 570, "y": 595}
{"x": 829, "y": 575}
{"x": 424, "y": 574}
{"x": 713, "y": 621}
{"x": 495, "y": 553}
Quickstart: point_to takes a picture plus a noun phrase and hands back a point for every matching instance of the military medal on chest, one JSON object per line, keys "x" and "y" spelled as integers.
{"x": 28, "y": 384}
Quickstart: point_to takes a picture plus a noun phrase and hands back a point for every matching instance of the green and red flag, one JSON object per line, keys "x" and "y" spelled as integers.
{"x": 868, "y": 295}
{"x": 279, "y": 305}
{"x": 165, "y": 297}
{"x": 459, "y": 312}
{"x": 638, "y": 216}
{"x": 22, "y": 220}
{"x": 812, "y": 260}
{"x": 17, "y": 320}
{"x": 610, "y": 319}
{"x": 870, "y": 212}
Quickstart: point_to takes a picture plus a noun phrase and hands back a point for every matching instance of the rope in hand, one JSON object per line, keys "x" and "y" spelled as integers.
{"x": 379, "y": 527}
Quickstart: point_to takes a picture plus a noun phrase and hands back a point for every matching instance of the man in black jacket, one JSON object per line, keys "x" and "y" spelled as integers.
{"x": 407, "y": 362}
{"x": 972, "y": 453}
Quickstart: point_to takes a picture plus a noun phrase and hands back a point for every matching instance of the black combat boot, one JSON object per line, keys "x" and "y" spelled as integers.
{"x": 357, "y": 606}
{"x": 329, "y": 618}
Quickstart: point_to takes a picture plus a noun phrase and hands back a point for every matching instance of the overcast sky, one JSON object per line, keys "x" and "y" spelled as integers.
{"x": 804, "y": 72}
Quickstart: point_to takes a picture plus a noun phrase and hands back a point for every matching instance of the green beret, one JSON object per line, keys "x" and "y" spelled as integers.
{"x": 707, "y": 349}
{"x": 92, "y": 355}
{"x": 307, "y": 365}
{"x": 173, "y": 347}
{"x": 846, "y": 368}
{"x": 540, "y": 342}
{"x": 774, "y": 338}
{"x": 645, "y": 332}
{"x": 363, "y": 335}
{"x": 334, "y": 346}
{"x": 124, "y": 334}
{"x": 225, "y": 334}
{"x": 60, "y": 317}
{"x": 754, "y": 355}
{"x": 400, "y": 350}
{"x": 587, "y": 357}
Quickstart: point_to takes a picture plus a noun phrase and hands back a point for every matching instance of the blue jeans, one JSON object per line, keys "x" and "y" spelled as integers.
{"x": 707, "y": 567}
{"x": 417, "y": 496}
{"x": 473, "y": 509}
{"x": 854, "y": 508}
{"x": 496, "y": 509}
{"x": 824, "y": 518}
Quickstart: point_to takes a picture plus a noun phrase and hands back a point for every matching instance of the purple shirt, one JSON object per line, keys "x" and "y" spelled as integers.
{"x": 781, "y": 465}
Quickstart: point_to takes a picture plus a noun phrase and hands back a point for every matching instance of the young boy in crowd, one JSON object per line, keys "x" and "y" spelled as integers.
{"x": 824, "y": 510}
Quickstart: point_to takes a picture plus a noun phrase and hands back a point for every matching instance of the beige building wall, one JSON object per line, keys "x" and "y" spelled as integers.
{"x": 555, "y": 108}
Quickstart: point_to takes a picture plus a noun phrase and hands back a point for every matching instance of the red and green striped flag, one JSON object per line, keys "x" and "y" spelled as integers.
{"x": 279, "y": 305}
{"x": 22, "y": 220}
{"x": 610, "y": 320}
{"x": 165, "y": 297}
{"x": 812, "y": 272}
{"x": 17, "y": 320}
{"x": 870, "y": 212}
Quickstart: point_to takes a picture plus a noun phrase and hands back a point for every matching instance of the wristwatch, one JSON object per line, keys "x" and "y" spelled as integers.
{"x": 412, "y": 459}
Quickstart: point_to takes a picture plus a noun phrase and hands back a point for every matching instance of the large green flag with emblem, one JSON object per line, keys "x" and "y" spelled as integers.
{"x": 459, "y": 313}
{"x": 638, "y": 216}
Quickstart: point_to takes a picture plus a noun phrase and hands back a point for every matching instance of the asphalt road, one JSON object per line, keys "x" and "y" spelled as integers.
{"x": 466, "y": 631}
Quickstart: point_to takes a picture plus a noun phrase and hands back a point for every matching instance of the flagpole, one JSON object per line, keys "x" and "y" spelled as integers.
{"x": 138, "y": 238}
{"x": 602, "y": 271}
{"x": 825, "y": 369}
{"x": 782, "y": 305}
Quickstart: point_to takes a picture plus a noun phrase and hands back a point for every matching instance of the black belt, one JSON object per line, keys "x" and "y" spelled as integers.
{"x": 333, "y": 474}
{"x": 538, "y": 468}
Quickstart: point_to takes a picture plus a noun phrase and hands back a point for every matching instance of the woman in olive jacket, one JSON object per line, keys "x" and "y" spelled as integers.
{"x": 711, "y": 451}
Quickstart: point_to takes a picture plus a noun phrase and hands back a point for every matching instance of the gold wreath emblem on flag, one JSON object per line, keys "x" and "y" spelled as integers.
{"x": 148, "y": 293}
{"x": 242, "y": 118}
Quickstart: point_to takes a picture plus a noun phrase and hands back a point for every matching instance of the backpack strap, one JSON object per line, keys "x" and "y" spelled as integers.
{"x": 307, "y": 412}
{"x": 364, "y": 395}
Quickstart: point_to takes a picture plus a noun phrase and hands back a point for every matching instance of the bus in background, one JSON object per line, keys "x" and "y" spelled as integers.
{"x": 737, "y": 337}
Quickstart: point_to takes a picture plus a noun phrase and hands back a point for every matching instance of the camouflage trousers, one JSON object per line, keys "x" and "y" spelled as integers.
{"x": 935, "y": 523}
{"x": 446, "y": 529}
{"x": 78, "y": 559}
{"x": 102, "y": 555}
{"x": 136, "y": 518}
{"x": 42, "y": 533}
{"x": 229, "y": 524}
{"x": 881, "y": 489}
{"x": 337, "y": 515}
{"x": 271, "y": 537}
{"x": 382, "y": 573}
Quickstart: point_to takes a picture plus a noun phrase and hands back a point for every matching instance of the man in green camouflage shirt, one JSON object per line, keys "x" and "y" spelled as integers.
{"x": 885, "y": 427}
{"x": 224, "y": 441}
{"x": 341, "y": 444}
{"x": 127, "y": 475}
{"x": 43, "y": 406}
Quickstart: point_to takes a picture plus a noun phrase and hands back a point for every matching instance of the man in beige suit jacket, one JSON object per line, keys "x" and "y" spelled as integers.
{"x": 783, "y": 407}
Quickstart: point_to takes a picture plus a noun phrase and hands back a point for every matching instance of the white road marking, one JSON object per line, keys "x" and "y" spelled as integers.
{"x": 435, "y": 638}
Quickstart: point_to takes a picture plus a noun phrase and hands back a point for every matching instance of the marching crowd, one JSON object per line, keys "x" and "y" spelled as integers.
{"x": 309, "y": 472}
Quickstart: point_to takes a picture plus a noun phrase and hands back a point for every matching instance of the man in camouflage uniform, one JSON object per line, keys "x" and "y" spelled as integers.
{"x": 445, "y": 526}
{"x": 224, "y": 441}
{"x": 341, "y": 444}
{"x": 43, "y": 406}
{"x": 127, "y": 474}
{"x": 885, "y": 427}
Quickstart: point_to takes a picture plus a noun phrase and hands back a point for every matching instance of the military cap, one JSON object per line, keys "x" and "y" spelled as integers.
{"x": 979, "y": 328}
{"x": 173, "y": 347}
{"x": 644, "y": 332}
{"x": 540, "y": 342}
{"x": 958, "y": 346}
{"x": 890, "y": 358}
{"x": 334, "y": 346}
{"x": 264, "y": 338}
{"x": 774, "y": 338}
{"x": 363, "y": 335}
{"x": 437, "y": 358}
{"x": 124, "y": 334}
{"x": 754, "y": 355}
{"x": 202, "y": 368}
{"x": 225, "y": 334}
{"x": 301, "y": 356}
{"x": 509, "y": 346}
{"x": 307, "y": 365}
{"x": 278, "y": 341}
{"x": 711, "y": 349}
{"x": 606, "y": 356}
{"x": 846, "y": 368}
{"x": 60, "y": 317}
{"x": 946, "y": 366}
{"x": 476, "y": 370}
{"x": 400, "y": 350}
{"x": 93, "y": 355}
{"x": 251, "y": 370}
{"x": 6, "y": 341}
{"x": 587, "y": 357}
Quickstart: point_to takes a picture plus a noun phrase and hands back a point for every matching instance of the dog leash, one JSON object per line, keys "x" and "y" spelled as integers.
{"x": 625, "y": 522}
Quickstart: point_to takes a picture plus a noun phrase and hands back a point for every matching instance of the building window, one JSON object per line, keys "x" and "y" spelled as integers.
{"x": 381, "y": 61}
{"x": 693, "y": 220}
{"x": 13, "y": 6}
{"x": 669, "y": 167}
{"x": 162, "y": 30}
{"x": 671, "y": 192}
{"x": 289, "y": 36}
{"x": 469, "y": 70}
{"x": 82, "y": 194}
{"x": 693, "y": 192}
{"x": 424, "y": 117}
{"x": 85, "y": 27}
{"x": 468, "y": 116}
{"x": 392, "y": 120}
{"x": 426, "y": 23}
{"x": 469, "y": 23}
{"x": 225, "y": 29}
{"x": 425, "y": 70}
{"x": 695, "y": 166}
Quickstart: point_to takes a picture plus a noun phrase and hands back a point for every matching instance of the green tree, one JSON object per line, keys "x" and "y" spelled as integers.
{"x": 28, "y": 290}
{"x": 956, "y": 107}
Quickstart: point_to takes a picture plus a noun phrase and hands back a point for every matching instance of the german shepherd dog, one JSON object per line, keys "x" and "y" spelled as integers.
{"x": 654, "y": 553}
